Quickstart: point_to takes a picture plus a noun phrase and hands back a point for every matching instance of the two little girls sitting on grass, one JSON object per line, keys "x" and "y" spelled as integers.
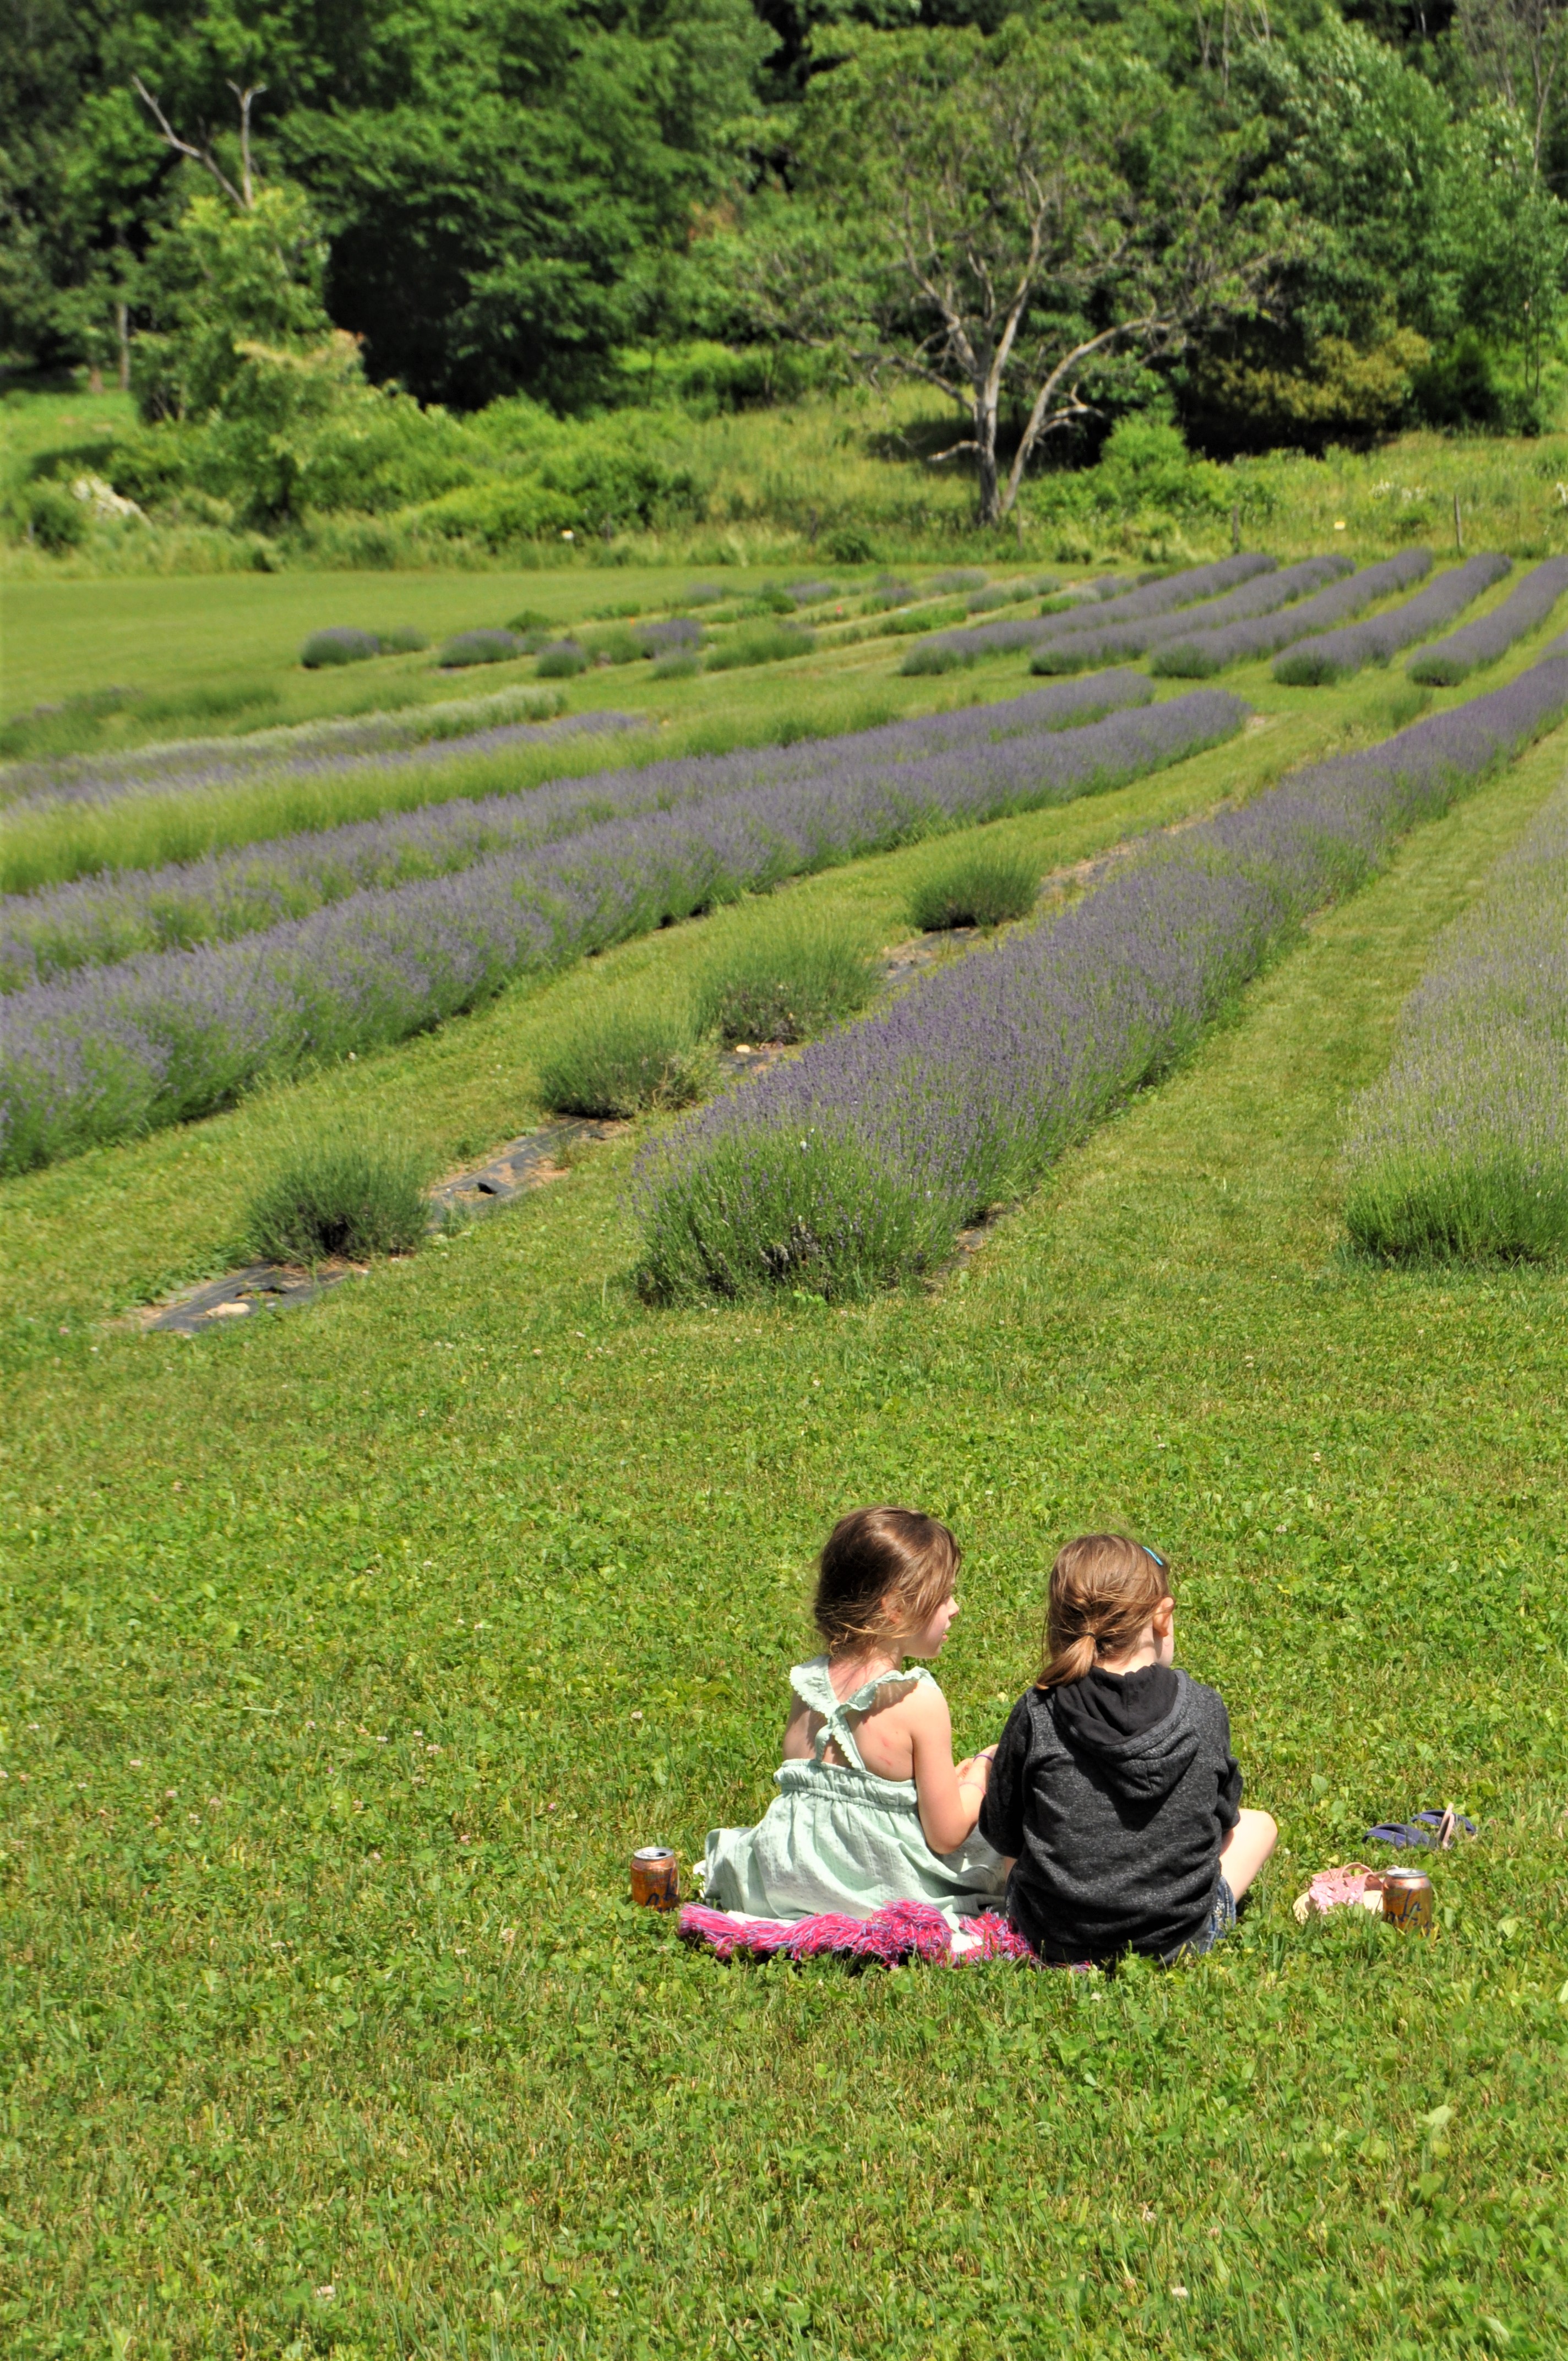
{"x": 1107, "y": 1818}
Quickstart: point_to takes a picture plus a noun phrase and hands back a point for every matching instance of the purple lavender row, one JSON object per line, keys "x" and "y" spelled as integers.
{"x": 1205, "y": 652}
{"x": 299, "y": 749}
{"x": 1261, "y": 596}
{"x": 856, "y": 1162}
{"x": 1335, "y": 655}
{"x": 173, "y": 1035}
{"x": 1491, "y": 636}
{"x": 94, "y": 921}
{"x": 1183, "y": 589}
{"x": 1461, "y": 1151}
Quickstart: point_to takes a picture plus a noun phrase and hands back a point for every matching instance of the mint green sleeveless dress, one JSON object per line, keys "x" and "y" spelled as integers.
{"x": 838, "y": 1838}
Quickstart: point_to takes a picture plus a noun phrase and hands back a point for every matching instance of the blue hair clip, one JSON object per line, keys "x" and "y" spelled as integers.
{"x": 1154, "y": 1553}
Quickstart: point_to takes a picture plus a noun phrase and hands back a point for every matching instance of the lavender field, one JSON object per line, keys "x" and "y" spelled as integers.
{"x": 1176, "y": 591}
{"x": 1198, "y": 650}
{"x": 1113, "y": 642}
{"x": 94, "y": 921}
{"x": 1491, "y": 636}
{"x": 1335, "y": 655}
{"x": 856, "y": 1164}
{"x": 168, "y": 1035}
{"x": 1460, "y": 1153}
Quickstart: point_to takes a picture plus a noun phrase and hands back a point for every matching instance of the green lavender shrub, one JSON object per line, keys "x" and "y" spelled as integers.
{"x": 478, "y": 648}
{"x": 341, "y": 645}
{"x": 563, "y": 661}
{"x": 762, "y": 1211}
{"x": 974, "y": 885}
{"x": 784, "y": 980}
{"x": 342, "y": 1193}
{"x": 759, "y": 642}
{"x": 621, "y": 1061}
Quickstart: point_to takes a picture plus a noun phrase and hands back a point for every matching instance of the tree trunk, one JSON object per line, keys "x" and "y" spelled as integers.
{"x": 122, "y": 332}
{"x": 991, "y": 506}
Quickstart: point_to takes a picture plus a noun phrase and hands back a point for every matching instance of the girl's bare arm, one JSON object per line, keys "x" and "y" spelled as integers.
{"x": 798, "y": 1731}
{"x": 950, "y": 1799}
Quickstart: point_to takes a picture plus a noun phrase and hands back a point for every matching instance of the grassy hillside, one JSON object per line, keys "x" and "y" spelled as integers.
{"x": 351, "y": 1654}
{"x": 807, "y": 482}
{"x": 354, "y": 1653}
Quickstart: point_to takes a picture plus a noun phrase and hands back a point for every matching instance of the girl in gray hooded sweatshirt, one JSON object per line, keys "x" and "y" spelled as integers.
{"x": 1113, "y": 1783}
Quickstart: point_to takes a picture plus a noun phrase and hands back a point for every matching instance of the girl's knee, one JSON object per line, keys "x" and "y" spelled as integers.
{"x": 1263, "y": 1828}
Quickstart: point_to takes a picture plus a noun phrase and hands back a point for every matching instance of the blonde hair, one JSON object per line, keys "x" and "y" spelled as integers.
{"x": 873, "y": 1554}
{"x": 1104, "y": 1588}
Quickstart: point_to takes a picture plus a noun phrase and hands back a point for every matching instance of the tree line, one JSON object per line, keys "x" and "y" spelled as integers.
{"x": 1285, "y": 222}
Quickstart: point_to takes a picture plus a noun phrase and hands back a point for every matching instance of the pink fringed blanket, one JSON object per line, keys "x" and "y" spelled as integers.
{"x": 899, "y": 1931}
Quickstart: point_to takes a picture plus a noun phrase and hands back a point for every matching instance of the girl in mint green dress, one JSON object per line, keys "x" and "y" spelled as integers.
{"x": 871, "y": 1806}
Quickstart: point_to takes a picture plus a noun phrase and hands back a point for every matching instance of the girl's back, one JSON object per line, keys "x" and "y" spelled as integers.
{"x": 871, "y": 1808}
{"x": 1116, "y": 1794}
{"x": 841, "y": 1836}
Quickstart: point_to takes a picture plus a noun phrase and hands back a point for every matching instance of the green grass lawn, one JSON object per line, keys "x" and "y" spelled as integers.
{"x": 350, "y": 1655}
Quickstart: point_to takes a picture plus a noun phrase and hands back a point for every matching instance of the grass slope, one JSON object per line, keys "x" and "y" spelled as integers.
{"x": 350, "y": 1655}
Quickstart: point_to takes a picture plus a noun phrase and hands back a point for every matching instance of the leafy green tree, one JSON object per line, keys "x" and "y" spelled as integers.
{"x": 1007, "y": 221}
{"x": 499, "y": 198}
{"x": 226, "y": 275}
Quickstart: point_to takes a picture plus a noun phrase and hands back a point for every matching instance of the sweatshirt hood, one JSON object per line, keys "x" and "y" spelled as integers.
{"x": 1136, "y": 1729}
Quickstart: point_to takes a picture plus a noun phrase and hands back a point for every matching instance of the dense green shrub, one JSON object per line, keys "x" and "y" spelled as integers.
{"x": 339, "y": 645}
{"x": 1303, "y": 668}
{"x": 974, "y": 885}
{"x": 341, "y": 1195}
{"x": 478, "y": 648}
{"x": 53, "y": 518}
{"x": 564, "y": 661}
{"x": 755, "y": 644}
{"x": 617, "y": 646}
{"x": 920, "y": 661}
{"x": 784, "y": 980}
{"x": 758, "y": 1213}
{"x": 618, "y": 1062}
{"x": 1495, "y": 1205}
{"x": 680, "y": 663}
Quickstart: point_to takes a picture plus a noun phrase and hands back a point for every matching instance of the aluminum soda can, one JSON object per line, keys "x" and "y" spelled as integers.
{"x": 656, "y": 1877}
{"x": 1407, "y": 1900}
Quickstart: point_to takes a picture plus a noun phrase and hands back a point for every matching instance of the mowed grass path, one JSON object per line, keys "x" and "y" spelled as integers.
{"x": 351, "y": 1654}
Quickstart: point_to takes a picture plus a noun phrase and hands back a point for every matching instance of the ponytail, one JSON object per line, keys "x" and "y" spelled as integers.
{"x": 1105, "y": 1589}
{"x": 1070, "y": 1663}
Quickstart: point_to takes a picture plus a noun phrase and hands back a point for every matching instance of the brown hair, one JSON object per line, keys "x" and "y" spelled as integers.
{"x": 1104, "y": 1588}
{"x": 873, "y": 1553}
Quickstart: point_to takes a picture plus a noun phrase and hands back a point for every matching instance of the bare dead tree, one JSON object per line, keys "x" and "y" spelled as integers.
{"x": 969, "y": 226}
{"x": 244, "y": 197}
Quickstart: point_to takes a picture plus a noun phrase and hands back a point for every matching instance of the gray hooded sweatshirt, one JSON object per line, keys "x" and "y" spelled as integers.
{"x": 1116, "y": 1794}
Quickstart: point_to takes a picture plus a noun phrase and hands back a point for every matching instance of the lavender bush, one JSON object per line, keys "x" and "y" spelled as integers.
{"x": 1460, "y": 1153}
{"x": 172, "y": 1034}
{"x": 1482, "y": 642}
{"x": 1336, "y": 655}
{"x": 95, "y": 920}
{"x": 1158, "y": 598}
{"x": 478, "y": 648}
{"x": 563, "y": 660}
{"x": 339, "y": 645}
{"x": 664, "y": 639}
{"x": 965, "y": 1088}
{"x": 1205, "y": 652}
{"x": 1096, "y": 643}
